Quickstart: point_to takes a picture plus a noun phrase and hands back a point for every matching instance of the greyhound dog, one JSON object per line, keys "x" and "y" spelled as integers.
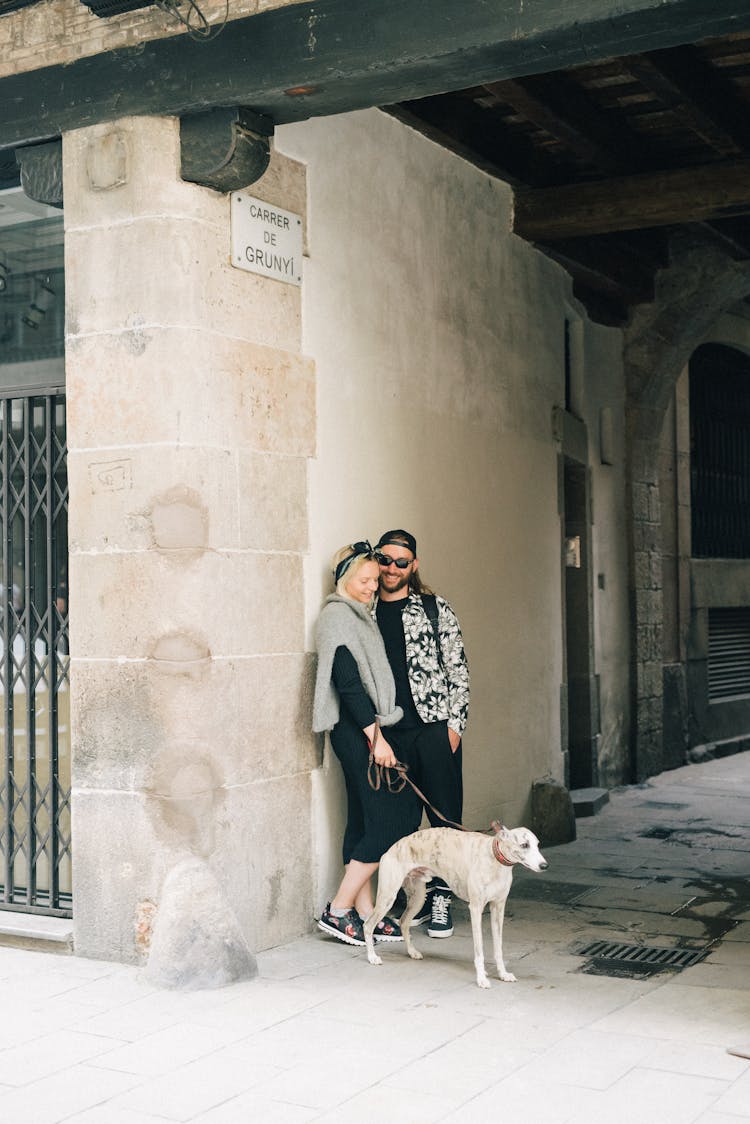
{"x": 477, "y": 867}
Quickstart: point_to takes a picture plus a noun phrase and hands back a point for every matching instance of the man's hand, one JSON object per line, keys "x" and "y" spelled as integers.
{"x": 454, "y": 739}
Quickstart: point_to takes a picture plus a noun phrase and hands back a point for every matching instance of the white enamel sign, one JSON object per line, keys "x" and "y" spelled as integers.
{"x": 266, "y": 239}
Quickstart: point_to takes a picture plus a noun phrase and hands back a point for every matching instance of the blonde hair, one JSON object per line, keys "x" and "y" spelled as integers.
{"x": 352, "y": 569}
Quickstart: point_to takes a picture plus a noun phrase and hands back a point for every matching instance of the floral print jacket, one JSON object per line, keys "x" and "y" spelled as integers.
{"x": 440, "y": 688}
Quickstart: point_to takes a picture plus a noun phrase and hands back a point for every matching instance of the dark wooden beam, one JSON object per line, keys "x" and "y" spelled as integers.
{"x": 634, "y": 202}
{"x": 604, "y": 266}
{"x": 329, "y": 56}
{"x": 560, "y": 107}
{"x": 732, "y": 234}
{"x": 700, "y": 98}
{"x": 478, "y": 136}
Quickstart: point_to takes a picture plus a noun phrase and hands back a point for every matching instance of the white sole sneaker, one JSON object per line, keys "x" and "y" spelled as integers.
{"x": 339, "y": 935}
{"x": 440, "y": 932}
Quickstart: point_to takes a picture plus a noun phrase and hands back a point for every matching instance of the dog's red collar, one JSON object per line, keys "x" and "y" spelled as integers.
{"x": 499, "y": 854}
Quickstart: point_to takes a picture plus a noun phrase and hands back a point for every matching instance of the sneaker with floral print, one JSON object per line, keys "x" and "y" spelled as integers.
{"x": 347, "y": 928}
{"x": 388, "y": 930}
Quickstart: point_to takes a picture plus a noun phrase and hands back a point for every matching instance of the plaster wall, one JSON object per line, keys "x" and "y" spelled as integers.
{"x": 438, "y": 339}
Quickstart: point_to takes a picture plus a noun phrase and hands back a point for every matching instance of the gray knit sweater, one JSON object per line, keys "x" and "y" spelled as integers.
{"x": 347, "y": 623}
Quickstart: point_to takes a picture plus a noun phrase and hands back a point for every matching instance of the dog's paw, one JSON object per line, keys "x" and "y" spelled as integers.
{"x": 507, "y": 977}
{"x": 375, "y": 959}
{"x": 415, "y": 954}
{"x": 482, "y": 981}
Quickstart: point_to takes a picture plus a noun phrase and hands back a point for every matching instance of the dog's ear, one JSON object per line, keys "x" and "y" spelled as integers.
{"x": 497, "y": 827}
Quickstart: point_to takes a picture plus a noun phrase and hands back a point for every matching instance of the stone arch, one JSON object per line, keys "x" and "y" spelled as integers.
{"x": 699, "y": 282}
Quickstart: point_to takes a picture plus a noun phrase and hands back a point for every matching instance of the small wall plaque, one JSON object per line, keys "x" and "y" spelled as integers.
{"x": 266, "y": 239}
{"x": 573, "y": 552}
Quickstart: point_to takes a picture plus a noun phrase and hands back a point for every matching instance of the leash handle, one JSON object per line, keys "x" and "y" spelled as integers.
{"x": 378, "y": 775}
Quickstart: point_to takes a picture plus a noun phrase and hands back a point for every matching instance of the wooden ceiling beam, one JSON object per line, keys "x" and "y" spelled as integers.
{"x": 637, "y": 202}
{"x": 458, "y": 124}
{"x": 606, "y": 267}
{"x": 732, "y": 234}
{"x": 558, "y": 105}
{"x": 700, "y": 98}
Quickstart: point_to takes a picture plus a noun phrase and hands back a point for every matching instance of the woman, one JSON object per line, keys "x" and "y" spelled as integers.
{"x": 355, "y": 696}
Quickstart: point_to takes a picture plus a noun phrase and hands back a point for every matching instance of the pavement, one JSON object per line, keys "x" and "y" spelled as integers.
{"x": 322, "y": 1036}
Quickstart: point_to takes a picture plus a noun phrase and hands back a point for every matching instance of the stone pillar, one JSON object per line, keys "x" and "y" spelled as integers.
{"x": 190, "y": 417}
{"x": 646, "y": 594}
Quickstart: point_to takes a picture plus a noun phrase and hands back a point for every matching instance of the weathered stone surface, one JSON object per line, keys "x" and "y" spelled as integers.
{"x": 552, "y": 814}
{"x": 119, "y": 863}
{"x": 249, "y": 717}
{"x": 273, "y": 502}
{"x": 107, "y": 160}
{"x": 128, "y": 499}
{"x": 196, "y": 940}
{"x": 264, "y": 846}
{"x": 239, "y": 603}
{"x": 261, "y": 398}
{"x": 148, "y": 147}
{"x": 186, "y": 278}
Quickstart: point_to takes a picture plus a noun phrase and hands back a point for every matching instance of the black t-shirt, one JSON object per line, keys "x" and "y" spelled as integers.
{"x": 392, "y": 630}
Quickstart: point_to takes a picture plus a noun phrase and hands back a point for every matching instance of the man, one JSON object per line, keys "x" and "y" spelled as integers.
{"x": 426, "y": 653}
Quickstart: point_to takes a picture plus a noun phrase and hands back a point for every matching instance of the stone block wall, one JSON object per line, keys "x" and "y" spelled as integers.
{"x": 59, "y": 31}
{"x": 191, "y": 418}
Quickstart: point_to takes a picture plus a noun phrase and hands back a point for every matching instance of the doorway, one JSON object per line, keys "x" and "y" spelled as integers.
{"x": 582, "y": 708}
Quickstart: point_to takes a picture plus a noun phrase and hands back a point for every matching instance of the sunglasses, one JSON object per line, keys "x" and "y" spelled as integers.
{"x": 385, "y": 561}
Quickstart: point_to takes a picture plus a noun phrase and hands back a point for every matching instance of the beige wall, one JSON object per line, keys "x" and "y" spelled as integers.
{"x": 438, "y": 343}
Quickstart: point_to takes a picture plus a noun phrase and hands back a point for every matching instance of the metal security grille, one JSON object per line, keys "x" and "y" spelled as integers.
{"x": 728, "y": 653}
{"x": 35, "y": 851}
{"x": 720, "y": 452}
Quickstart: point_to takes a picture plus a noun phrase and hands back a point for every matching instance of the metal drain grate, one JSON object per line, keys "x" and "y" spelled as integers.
{"x": 643, "y": 955}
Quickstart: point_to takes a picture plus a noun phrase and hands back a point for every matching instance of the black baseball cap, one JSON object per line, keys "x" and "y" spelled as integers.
{"x": 397, "y": 537}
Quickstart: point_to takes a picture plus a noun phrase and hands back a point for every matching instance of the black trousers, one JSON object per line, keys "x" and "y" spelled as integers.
{"x": 433, "y": 766}
{"x": 375, "y": 819}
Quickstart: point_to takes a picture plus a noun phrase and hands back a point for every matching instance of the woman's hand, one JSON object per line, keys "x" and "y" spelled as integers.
{"x": 383, "y": 753}
{"x": 379, "y": 747}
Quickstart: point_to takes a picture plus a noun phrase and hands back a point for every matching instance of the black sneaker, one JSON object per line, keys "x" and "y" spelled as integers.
{"x": 347, "y": 928}
{"x": 425, "y": 912}
{"x": 441, "y": 922}
{"x": 388, "y": 930}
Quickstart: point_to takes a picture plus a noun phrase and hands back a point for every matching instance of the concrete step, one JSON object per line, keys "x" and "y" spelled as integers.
{"x": 588, "y": 801}
{"x": 35, "y": 931}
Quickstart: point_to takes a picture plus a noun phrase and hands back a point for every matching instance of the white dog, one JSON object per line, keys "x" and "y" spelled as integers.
{"x": 477, "y": 867}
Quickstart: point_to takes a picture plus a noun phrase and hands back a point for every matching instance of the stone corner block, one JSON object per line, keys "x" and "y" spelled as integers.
{"x": 196, "y": 940}
{"x": 552, "y": 814}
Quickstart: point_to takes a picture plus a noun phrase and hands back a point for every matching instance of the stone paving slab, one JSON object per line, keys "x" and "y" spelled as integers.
{"x": 323, "y": 1036}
